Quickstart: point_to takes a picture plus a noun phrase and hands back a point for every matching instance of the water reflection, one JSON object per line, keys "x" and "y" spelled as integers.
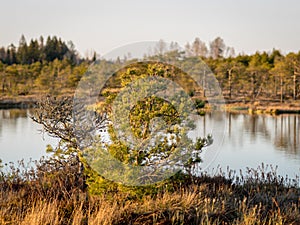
{"x": 13, "y": 114}
{"x": 20, "y": 137}
{"x": 10, "y": 117}
{"x": 241, "y": 140}
{"x": 282, "y": 131}
{"x": 250, "y": 140}
{"x": 287, "y": 134}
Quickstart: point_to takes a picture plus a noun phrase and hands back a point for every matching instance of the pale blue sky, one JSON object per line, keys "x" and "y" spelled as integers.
{"x": 103, "y": 25}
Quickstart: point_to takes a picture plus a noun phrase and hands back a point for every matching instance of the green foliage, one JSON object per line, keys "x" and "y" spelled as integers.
{"x": 151, "y": 132}
{"x": 192, "y": 93}
{"x": 38, "y": 77}
{"x": 199, "y": 104}
{"x": 38, "y": 51}
{"x": 148, "y": 109}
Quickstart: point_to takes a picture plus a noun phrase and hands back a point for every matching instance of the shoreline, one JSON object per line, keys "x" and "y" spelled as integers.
{"x": 265, "y": 107}
{"x": 258, "y": 107}
{"x": 18, "y": 102}
{"x": 23, "y": 102}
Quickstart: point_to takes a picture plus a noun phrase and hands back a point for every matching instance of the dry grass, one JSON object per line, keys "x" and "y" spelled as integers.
{"x": 60, "y": 197}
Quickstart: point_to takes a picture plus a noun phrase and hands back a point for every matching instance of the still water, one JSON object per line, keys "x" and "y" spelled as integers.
{"x": 240, "y": 140}
{"x": 250, "y": 140}
{"x": 20, "y": 137}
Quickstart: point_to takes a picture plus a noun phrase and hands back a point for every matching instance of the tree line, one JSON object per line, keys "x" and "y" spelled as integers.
{"x": 54, "y": 66}
{"x": 39, "y": 50}
{"x": 49, "y": 66}
{"x": 269, "y": 76}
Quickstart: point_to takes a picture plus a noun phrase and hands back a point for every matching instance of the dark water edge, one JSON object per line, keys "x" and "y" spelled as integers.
{"x": 11, "y": 104}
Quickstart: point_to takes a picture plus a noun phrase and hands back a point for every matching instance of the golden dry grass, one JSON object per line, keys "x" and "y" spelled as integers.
{"x": 59, "y": 197}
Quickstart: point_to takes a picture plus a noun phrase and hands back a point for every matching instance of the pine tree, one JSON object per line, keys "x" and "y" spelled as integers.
{"x": 22, "y": 51}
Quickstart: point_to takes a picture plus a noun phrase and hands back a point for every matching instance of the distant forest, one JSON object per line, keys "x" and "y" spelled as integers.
{"x": 53, "y": 66}
{"x": 39, "y": 50}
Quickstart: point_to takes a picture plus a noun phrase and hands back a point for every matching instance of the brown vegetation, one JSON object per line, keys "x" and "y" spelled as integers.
{"x": 55, "y": 193}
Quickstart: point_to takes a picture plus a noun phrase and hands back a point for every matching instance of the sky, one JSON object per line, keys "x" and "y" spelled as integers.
{"x": 248, "y": 26}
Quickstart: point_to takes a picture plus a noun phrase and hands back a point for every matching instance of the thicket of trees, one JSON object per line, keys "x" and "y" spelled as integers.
{"x": 269, "y": 76}
{"x": 53, "y": 66}
{"x": 40, "y": 66}
{"x": 39, "y": 50}
{"x": 262, "y": 76}
{"x": 40, "y": 77}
